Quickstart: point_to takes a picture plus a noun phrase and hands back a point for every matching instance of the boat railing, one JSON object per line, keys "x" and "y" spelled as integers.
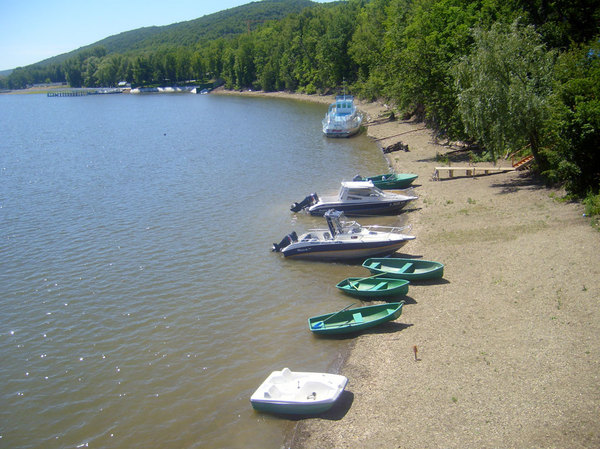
{"x": 389, "y": 229}
{"x": 353, "y": 226}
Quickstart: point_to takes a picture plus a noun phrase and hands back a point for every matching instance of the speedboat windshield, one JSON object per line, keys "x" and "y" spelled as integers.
{"x": 359, "y": 190}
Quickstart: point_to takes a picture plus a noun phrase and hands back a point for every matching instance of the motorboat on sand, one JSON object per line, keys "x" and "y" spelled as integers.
{"x": 357, "y": 198}
{"x": 343, "y": 240}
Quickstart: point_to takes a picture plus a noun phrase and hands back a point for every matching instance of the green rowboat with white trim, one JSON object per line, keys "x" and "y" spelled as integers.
{"x": 409, "y": 269}
{"x": 390, "y": 180}
{"x": 374, "y": 287}
{"x": 353, "y": 320}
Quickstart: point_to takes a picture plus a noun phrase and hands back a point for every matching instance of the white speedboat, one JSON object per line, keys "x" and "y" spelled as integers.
{"x": 357, "y": 198}
{"x": 342, "y": 118}
{"x": 343, "y": 240}
{"x": 298, "y": 393}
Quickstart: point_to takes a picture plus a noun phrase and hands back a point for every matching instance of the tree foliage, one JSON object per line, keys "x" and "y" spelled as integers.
{"x": 503, "y": 88}
{"x": 574, "y": 149}
{"x": 480, "y": 70}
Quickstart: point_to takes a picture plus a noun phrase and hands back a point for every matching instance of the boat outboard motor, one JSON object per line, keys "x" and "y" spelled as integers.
{"x": 311, "y": 199}
{"x": 285, "y": 242}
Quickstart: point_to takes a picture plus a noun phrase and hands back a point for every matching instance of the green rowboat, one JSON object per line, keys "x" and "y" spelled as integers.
{"x": 393, "y": 180}
{"x": 409, "y": 269}
{"x": 374, "y": 287}
{"x": 353, "y": 320}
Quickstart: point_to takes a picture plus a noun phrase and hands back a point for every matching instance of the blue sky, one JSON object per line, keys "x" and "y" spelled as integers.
{"x": 33, "y": 30}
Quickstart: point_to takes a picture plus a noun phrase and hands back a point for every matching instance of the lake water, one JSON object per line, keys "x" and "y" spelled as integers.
{"x": 140, "y": 305}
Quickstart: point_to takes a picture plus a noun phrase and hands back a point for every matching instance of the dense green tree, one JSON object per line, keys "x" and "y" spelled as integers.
{"x": 334, "y": 64}
{"x": 142, "y": 71}
{"x": 367, "y": 49}
{"x": 243, "y": 66}
{"x": 106, "y": 73}
{"x": 267, "y": 51}
{"x": 436, "y": 34}
{"x": 73, "y": 72}
{"x": 574, "y": 148}
{"x": 504, "y": 86}
{"x": 561, "y": 22}
{"x": 90, "y": 68}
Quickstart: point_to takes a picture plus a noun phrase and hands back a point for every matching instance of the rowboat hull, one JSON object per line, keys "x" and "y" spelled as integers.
{"x": 354, "y": 320}
{"x": 393, "y": 180}
{"x": 373, "y": 287}
{"x": 408, "y": 269}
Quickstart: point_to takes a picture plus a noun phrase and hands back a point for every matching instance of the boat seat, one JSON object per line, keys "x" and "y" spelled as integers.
{"x": 273, "y": 392}
{"x": 358, "y": 318}
{"x": 380, "y": 286}
{"x": 404, "y": 268}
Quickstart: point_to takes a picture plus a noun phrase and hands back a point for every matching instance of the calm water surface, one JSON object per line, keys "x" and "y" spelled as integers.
{"x": 140, "y": 303}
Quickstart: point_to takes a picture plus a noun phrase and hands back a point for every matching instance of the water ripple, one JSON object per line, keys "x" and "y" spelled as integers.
{"x": 140, "y": 302}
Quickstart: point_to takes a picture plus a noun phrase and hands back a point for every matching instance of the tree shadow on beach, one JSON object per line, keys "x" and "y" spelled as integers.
{"x": 524, "y": 181}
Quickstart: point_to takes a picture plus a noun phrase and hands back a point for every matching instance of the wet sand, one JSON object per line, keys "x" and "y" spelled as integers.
{"x": 508, "y": 347}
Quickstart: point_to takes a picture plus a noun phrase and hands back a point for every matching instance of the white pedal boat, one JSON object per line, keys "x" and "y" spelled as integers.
{"x": 298, "y": 393}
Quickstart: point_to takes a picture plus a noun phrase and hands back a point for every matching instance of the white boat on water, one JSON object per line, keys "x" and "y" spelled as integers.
{"x": 357, "y": 198}
{"x": 342, "y": 118}
{"x": 343, "y": 240}
{"x": 298, "y": 393}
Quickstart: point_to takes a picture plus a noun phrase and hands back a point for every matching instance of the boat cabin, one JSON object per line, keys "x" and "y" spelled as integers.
{"x": 359, "y": 190}
{"x": 339, "y": 227}
{"x": 344, "y": 105}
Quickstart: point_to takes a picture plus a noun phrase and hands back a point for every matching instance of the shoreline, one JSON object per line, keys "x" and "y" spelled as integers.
{"x": 508, "y": 347}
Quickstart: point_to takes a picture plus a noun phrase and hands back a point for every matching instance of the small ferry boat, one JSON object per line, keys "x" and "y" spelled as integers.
{"x": 342, "y": 118}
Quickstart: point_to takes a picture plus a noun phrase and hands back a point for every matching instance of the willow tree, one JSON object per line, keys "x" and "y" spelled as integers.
{"x": 504, "y": 86}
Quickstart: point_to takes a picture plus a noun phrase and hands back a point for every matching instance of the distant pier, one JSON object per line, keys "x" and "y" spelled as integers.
{"x": 68, "y": 93}
{"x": 84, "y": 92}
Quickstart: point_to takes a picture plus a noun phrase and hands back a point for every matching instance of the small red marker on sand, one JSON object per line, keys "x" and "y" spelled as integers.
{"x": 415, "y": 350}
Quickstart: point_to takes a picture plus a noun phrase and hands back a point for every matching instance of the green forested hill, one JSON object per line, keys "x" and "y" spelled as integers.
{"x": 195, "y": 32}
{"x": 516, "y": 77}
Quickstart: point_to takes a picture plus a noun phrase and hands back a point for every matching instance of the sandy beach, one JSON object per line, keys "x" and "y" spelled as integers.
{"x": 508, "y": 348}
